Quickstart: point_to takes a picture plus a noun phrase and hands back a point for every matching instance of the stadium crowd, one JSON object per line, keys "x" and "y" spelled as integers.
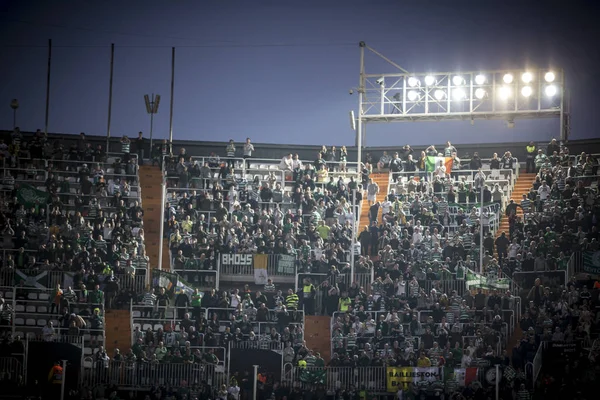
{"x": 411, "y": 314}
{"x": 84, "y": 217}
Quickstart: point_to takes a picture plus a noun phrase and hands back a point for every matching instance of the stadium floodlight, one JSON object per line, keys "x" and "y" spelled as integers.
{"x": 480, "y": 93}
{"x": 504, "y": 92}
{"x": 429, "y": 80}
{"x": 549, "y": 77}
{"x": 412, "y": 81}
{"x": 458, "y": 80}
{"x": 439, "y": 94}
{"x": 480, "y": 79}
{"x": 527, "y": 77}
{"x": 413, "y": 95}
{"x": 507, "y": 78}
{"x": 526, "y": 91}
{"x": 550, "y": 91}
{"x": 459, "y": 94}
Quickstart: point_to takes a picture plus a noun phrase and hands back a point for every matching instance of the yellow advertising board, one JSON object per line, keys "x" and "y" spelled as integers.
{"x": 400, "y": 377}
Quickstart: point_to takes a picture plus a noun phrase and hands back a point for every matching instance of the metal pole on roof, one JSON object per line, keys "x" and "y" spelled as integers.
{"x": 110, "y": 95}
{"x": 172, "y": 97}
{"x": 353, "y": 241}
{"x": 481, "y": 232}
{"x": 48, "y": 86}
{"x": 163, "y": 196}
{"x": 361, "y": 89}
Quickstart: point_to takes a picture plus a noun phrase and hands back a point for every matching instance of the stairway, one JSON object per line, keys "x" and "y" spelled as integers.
{"x": 317, "y": 333}
{"x": 522, "y": 186}
{"x": 150, "y": 182}
{"x": 118, "y": 331}
{"x": 383, "y": 180}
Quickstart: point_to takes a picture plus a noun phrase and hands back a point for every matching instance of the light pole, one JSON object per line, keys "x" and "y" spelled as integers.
{"x": 14, "y": 104}
{"x": 152, "y": 108}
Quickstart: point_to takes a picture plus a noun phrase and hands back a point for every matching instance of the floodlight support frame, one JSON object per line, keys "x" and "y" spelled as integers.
{"x": 376, "y": 90}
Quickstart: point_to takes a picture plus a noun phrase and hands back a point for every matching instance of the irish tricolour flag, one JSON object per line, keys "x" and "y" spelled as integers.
{"x": 433, "y": 162}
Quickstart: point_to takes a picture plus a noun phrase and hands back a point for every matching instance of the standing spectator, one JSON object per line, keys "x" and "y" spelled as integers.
{"x": 540, "y": 160}
{"x": 395, "y": 167}
{"x": 384, "y": 161}
{"x": 248, "y": 149}
{"x": 343, "y": 159}
{"x": 475, "y": 162}
{"x": 374, "y": 212}
{"x": 372, "y": 192}
{"x": 544, "y": 194}
{"x": 308, "y": 297}
{"x": 125, "y": 148}
{"x": 553, "y": 146}
{"x": 139, "y": 144}
{"x": 502, "y": 244}
{"x": 230, "y": 152}
{"x": 449, "y": 150}
{"x": 531, "y": 150}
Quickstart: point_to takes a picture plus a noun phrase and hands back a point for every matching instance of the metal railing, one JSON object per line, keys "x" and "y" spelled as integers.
{"x": 243, "y": 264}
{"x": 149, "y": 374}
{"x": 260, "y": 343}
{"x": 336, "y": 378}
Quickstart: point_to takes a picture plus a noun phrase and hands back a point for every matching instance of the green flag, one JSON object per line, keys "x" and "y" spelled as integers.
{"x": 31, "y": 197}
{"x": 475, "y": 280}
{"x": 591, "y": 262}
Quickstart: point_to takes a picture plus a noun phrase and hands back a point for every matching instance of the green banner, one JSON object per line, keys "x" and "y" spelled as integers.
{"x": 286, "y": 264}
{"x": 591, "y": 262}
{"x": 474, "y": 280}
{"x": 31, "y": 197}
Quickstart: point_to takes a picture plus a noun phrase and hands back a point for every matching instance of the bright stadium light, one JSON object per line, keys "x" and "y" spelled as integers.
{"x": 458, "y": 80}
{"x": 526, "y": 91}
{"x": 504, "y": 92}
{"x": 527, "y": 77}
{"x": 439, "y": 94}
{"x": 549, "y": 77}
{"x": 480, "y": 79}
{"x": 507, "y": 78}
{"x": 429, "y": 80}
{"x": 550, "y": 91}
{"x": 459, "y": 94}
{"x": 412, "y": 81}
{"x": 413, "y": 95}
{"x": 480, "y": 93}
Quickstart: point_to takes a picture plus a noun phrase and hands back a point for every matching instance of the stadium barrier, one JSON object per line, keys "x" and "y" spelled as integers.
{"x": 43, "y": 279}
{"x": 148, "y": 374}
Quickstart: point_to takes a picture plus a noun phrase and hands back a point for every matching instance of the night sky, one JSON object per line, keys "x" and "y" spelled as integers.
{"x": 280, "y": 71}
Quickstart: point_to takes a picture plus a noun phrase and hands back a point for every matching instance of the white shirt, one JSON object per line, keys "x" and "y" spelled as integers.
{"x": 386, "y": 207}
{"x": 417, "y": 237}
{"x": 544, "y": 192}
{"x": 234, "y": 391}
{"x": 513, "y": 249}
{"x": 248, "y": 149}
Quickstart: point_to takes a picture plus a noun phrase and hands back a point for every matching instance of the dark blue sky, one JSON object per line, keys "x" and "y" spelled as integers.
{"x": 279, "y": 71}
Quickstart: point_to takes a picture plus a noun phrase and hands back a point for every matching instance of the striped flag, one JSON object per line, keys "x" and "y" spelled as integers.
{"x": 260, "y": 269}
{"x": 465, "y": 376}
{"x": 433, "y": 162}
